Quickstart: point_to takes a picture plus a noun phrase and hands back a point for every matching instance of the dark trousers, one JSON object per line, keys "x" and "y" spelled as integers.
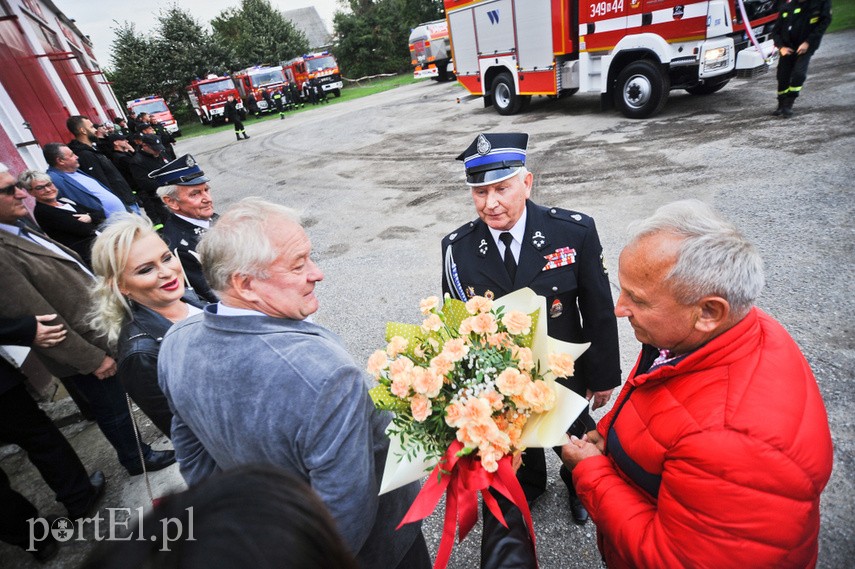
{"x": 238, "y": 125}
{"x": 792, "y": 73}
{"x": 108, "y": 403}
{"x": 417, "y": 556}
{"x": 24, "y": 424}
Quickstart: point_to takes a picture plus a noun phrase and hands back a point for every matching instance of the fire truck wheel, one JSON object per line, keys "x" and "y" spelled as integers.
{"x": 505, "y": 97}
{"x": 641, "y": 90}
{"x": 337, "y": 92}
{"x": 707, "y": 88}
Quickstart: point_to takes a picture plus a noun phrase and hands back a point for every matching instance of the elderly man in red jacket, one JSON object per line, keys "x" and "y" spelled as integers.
{"x": 718, "y": 447}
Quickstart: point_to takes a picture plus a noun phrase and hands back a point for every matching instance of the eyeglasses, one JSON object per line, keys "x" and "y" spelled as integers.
{"x": 41, "y": 187}
{"x": 10, "y": 190}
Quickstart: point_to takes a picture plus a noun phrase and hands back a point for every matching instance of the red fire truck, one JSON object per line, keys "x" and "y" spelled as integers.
{"x": 430, "y": 51}
{"x": 632, "y": 52}
{"x": 209, "y": 95}
{"x": 321, "y": 66}
{"x": 253, "y": 80}
{"x": 155, "y": 106}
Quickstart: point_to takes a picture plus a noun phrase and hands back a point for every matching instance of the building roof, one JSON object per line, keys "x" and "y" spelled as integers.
{"x": 308, "y": 21}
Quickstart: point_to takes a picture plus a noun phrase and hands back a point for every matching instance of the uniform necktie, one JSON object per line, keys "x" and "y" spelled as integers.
{"x": 510, "y": 262}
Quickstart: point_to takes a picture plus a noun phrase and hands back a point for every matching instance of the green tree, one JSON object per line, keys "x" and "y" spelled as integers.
{"x": 374, "y": 37}
{"x": 133, "y": 68}
{"x": 256, "y": 33}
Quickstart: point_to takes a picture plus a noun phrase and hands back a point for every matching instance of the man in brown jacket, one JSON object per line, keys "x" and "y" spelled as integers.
{"x": 40, "y": 276}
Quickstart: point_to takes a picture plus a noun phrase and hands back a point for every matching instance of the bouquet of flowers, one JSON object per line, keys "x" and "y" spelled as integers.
{"x": 469, "y": 388}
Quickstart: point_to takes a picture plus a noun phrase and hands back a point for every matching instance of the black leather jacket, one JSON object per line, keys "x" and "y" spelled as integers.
{"x": 138, "y": 348}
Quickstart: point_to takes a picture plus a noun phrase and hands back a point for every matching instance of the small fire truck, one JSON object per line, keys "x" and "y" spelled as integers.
{"x": 320, "y": 66}
{"x": 209, "y": 96}
{"x": 156, "y": 107}
{"x": 253, "y": 80}
{"x": 430, "y": 51}
{"x": 632, "y": 52}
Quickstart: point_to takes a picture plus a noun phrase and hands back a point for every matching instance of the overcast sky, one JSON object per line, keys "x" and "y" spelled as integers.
{"x": 97, "y": 18}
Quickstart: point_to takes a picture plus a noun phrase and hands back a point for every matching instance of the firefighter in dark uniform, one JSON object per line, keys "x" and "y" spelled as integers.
{"x": 279, "y": 101}
{"x": 149, "y": 157}
{"x": 516, "y": 243}
{"x": 231, "y": 113}
{"x": 797, "y": 34}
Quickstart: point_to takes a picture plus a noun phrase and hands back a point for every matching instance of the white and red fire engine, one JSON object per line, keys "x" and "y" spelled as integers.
{"x": 320, "y": 66}
{"x": 633, "y": 52}
{"x": 209, "y": 95}
{"x": 431, "y": 51}
{"x": 253, "y": 80}
{"x": 156, "y": 107}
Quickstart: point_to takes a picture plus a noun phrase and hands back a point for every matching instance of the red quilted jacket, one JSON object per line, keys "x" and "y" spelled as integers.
{"x": 717, "y": 461}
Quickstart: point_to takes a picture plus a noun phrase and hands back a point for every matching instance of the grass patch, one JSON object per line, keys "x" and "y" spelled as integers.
{"x": 843, "y": 15}
{"x": 351, "y": 91}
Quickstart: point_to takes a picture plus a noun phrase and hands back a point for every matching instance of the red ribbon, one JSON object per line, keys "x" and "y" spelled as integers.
{"x": 460, "y": 478}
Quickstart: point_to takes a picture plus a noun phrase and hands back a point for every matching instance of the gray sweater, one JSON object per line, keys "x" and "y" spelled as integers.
{"x": 257, "y": 389}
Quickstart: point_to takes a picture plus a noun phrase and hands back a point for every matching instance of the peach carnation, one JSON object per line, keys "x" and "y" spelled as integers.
{"x": 428, "y": 304}
{"x": 499, "y": 340}
{"x": 420, "y": 406}
{"x": 400, "y": 388}
{"x": 524, "y": 357}
{"x": 496, "y": 400}
{"x": 561, "y": 364}
{"x": 454, "y": 414}
{"x": 512, "y": 382}
{"x": 455, "y": 349}
{"x": 377, "y": 362}
{"x": 432, "y": 323}
{"x": 540, "y": 396}
{"x": 442, "y": 364}
{"x": 426, "y": 382}
{"x": 396, "y": 346}
{"x": 478, "y": 304}
{"x": 517, "y": 322}
{"x": 484, "y": 323}
{"x": 465, "y": 326}
{"x": 400, "y": 369}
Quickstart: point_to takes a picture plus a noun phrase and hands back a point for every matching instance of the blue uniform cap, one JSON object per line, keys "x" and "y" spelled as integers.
{"x": 493, "y": 157}
{"x": 180, "y": 172}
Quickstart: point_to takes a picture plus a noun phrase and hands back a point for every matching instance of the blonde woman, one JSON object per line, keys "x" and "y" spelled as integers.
{"x": 139, "y": 294}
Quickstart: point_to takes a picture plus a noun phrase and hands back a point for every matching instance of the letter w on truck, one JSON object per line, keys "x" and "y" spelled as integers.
{"x": 632, "y": 52}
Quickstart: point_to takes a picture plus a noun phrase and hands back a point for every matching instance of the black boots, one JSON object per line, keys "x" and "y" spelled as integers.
{"x": 785, "y": 107}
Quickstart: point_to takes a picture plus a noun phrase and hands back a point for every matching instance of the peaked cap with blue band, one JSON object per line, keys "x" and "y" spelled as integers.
{"x": 493, "y": 157}
{"x": 182, "y": 171}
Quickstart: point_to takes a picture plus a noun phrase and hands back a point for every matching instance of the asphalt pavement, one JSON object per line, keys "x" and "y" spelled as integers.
{"x": 378, "y": 187}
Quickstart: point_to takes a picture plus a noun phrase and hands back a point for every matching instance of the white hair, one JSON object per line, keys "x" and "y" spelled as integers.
{"x": 164, "y": 191}
{"x": 239, "y": 243}
{"x": 714, "y": 257}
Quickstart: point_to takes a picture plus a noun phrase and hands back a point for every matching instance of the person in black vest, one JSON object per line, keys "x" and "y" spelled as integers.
{"x": 797, "y": 33}
{"x": 232, "y": 114}
{"x": 516, "y": 243}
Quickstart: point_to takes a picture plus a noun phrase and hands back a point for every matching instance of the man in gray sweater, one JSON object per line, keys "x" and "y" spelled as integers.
{"x": 251, "y": 380}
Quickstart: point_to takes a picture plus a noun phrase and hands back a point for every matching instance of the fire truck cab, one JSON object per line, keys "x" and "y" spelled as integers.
{"x": 633, "y": 52}
{"x": 156, "y": 107}
{"x": 321, "y": 67}
{"x": 208, "y": 97}
{"x": 252, "y": 81}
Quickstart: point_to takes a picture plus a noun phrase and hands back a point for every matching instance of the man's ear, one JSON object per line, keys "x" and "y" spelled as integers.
{"x": 242, "y": 286}
{"x": 170, "y": 202}
{"x": 714, "y": 312}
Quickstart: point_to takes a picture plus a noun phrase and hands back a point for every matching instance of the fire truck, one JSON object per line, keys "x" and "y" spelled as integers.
{"x": 321, "y": 66}
{"x": 155, "y": 106}
{"x": 632, "y": 52}
{"x": 209, "y": 96}
{"x": 431, "y": 52}
{"x": 253, "y": 80}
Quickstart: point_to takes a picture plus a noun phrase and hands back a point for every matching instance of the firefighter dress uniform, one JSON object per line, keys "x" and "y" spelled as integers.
{"x": 561, "y": 259}
{"x": 799, "y": 21}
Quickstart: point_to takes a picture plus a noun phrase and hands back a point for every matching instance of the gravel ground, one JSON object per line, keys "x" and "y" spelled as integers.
{"x": 378, "y": 186}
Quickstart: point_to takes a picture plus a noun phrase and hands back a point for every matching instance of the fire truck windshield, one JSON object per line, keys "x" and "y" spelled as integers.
{"x": 267, "y": 78}
{"x": 156, "y": 106}
{"x": 225, "y": 84}
{"x": 321, "y": 63}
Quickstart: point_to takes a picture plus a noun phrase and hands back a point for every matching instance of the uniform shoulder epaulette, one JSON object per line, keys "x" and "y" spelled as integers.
{"x": 569, "y": 215}
{"x": 460, "y": 232}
